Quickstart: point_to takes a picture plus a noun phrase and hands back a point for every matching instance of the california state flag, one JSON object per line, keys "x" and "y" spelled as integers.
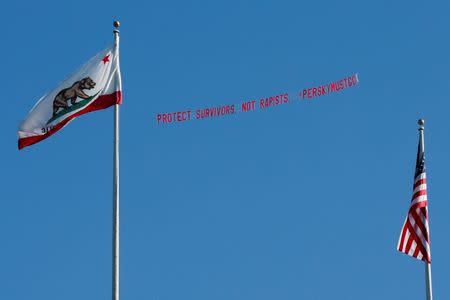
{"x": 96, "y": 85}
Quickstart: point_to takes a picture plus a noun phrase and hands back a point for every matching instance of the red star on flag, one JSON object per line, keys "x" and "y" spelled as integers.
{"x": 105, "y": 59}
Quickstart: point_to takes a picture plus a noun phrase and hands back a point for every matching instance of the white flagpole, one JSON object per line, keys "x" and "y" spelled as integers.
{"x": 429, "y": 287}
{"x": 115, "y": 290}
{"x": 428, "y": 279}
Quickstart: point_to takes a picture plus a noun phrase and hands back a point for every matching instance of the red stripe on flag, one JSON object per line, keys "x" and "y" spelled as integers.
{"x": 419, "y": 224}
{"x": 419, "y": 193}
{"x": 409, "y": 241}
{"x": 402, "y": 236}
{"x": 101, "y": 102}
{"x": 419, "y": 182}
{"x": 413, "y": 236}
{"x": 421, "y": 204}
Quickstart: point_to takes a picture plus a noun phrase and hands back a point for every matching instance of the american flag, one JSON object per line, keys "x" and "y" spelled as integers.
{"x": 415, "y": 238}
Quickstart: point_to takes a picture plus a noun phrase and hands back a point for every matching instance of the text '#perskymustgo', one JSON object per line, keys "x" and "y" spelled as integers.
{"x": 332, "y": 87}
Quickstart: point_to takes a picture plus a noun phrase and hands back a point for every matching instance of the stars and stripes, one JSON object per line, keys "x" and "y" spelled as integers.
{"x": 414, "y": 238}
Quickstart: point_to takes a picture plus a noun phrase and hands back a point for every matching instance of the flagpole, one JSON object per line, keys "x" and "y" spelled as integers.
{"x": 429, "y": 287}
{"x": 115, "y": 288}
{"x": 428, "y": 279}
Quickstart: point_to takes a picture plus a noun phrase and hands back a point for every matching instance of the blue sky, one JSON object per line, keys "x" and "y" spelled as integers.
{"x": 304, "y": 201}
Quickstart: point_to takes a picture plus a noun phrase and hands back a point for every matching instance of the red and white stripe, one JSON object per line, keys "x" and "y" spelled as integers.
{"x": 414, "y": 238}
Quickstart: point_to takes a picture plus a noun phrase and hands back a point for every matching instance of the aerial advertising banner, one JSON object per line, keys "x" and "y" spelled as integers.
{"x": 252, "y": 105}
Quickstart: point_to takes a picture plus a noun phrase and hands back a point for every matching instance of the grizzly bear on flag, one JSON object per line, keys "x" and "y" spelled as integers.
{"x": 72, "y": 93}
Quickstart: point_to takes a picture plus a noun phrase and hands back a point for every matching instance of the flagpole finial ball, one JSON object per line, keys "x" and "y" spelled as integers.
{"x": 116, "y": 24}
{"x": 421, "y": 122}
